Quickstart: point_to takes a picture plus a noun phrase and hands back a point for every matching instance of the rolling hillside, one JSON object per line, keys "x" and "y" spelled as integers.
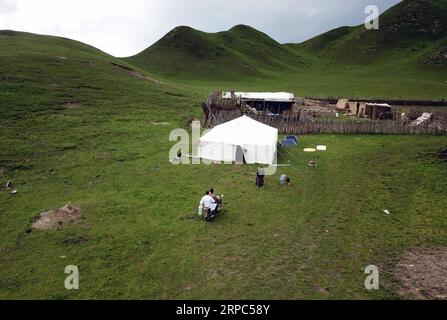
{"x": 411, "y": 43}
{"x": 44, "y": 72}
{"x": 240, "y": 52}
{"x": 413, "y": 31}
{"x": 405, "y": 58}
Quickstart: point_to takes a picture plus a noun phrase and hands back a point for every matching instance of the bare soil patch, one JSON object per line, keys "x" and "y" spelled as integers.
{"x": 135, "y": 73}
{"x": 57, "y": 218}
{"x": 320, "y": 289}
{"x": 421, "y": 272}
{"x": 71, "y": 105}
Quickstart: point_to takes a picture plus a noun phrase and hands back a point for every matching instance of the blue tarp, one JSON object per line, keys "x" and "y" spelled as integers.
{"x": 292, "y": 138}
{"x": 289, "y": 143}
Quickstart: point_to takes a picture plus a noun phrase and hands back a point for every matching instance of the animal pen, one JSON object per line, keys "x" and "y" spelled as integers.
{"x": 302, "y": 119}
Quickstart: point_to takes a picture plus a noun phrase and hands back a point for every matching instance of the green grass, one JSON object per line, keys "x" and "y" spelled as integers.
{"x": 105, "y": 155}
{"x": 334, "y": 81}
{"x": 135, "y": 240}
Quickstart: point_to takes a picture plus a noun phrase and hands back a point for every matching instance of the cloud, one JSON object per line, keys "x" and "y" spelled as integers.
{"x": 312, "y": 12}
{"x": 8, "y": 7}
{"x": 124, "y": 28}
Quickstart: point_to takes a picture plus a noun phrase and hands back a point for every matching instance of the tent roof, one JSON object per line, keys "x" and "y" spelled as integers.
{"x": 242, "y": 131}
{"x": 263, "y": 96}
{"x": 379, "y": 105}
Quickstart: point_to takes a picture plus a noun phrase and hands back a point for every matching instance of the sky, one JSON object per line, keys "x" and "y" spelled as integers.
{"x": 126, "y": 27}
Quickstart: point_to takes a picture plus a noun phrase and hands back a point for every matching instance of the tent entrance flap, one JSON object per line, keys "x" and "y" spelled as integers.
{"x": 240, "y": 155}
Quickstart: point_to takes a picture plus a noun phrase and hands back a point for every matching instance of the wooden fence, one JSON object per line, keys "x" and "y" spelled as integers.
{"x": 393, "y": 102}
{"x": 298, "y": 124}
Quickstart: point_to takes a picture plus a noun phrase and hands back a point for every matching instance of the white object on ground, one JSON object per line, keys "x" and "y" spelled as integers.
{"x": 387, "y": 211}
{"x": 426, "y": 117}
{"x": 310, "y": 150}
{"x": 321, "y": 148}
{"x": 312, "y": 164}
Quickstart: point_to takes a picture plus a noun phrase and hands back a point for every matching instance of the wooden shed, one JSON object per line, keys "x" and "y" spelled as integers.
{"x": 376, "y": 111}
{"x": 268, "y": 102}
{"x": 357, "y": 108}
{"x": 372, "y": 111}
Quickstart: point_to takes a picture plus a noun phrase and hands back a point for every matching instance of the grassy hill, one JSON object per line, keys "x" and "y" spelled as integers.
{"x": 242, "y": 51}
{"x": 56, "y": 72}
{"x": 405, "y": 58}
{"x": 413, "y": 31}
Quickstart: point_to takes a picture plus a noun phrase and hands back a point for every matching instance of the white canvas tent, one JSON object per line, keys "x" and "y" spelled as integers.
{"x": 256, "y": 140}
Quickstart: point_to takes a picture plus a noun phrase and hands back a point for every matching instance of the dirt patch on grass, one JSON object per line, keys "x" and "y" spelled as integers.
{"x": 2, "y": 172}
{"x": 142, "y": 76}
{"x": 421, "y": 272}
{"x": 135, "y": 73}
{"x": 71, "y": 105}
{"x": 57, "y": 218}
{"x": 320, "y": 289}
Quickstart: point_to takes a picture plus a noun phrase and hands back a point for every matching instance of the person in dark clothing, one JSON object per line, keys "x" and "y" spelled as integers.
{"x": 260, "y": 175}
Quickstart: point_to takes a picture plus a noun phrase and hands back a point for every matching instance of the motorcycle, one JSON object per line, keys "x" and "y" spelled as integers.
{"x": 211, "y": 215}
